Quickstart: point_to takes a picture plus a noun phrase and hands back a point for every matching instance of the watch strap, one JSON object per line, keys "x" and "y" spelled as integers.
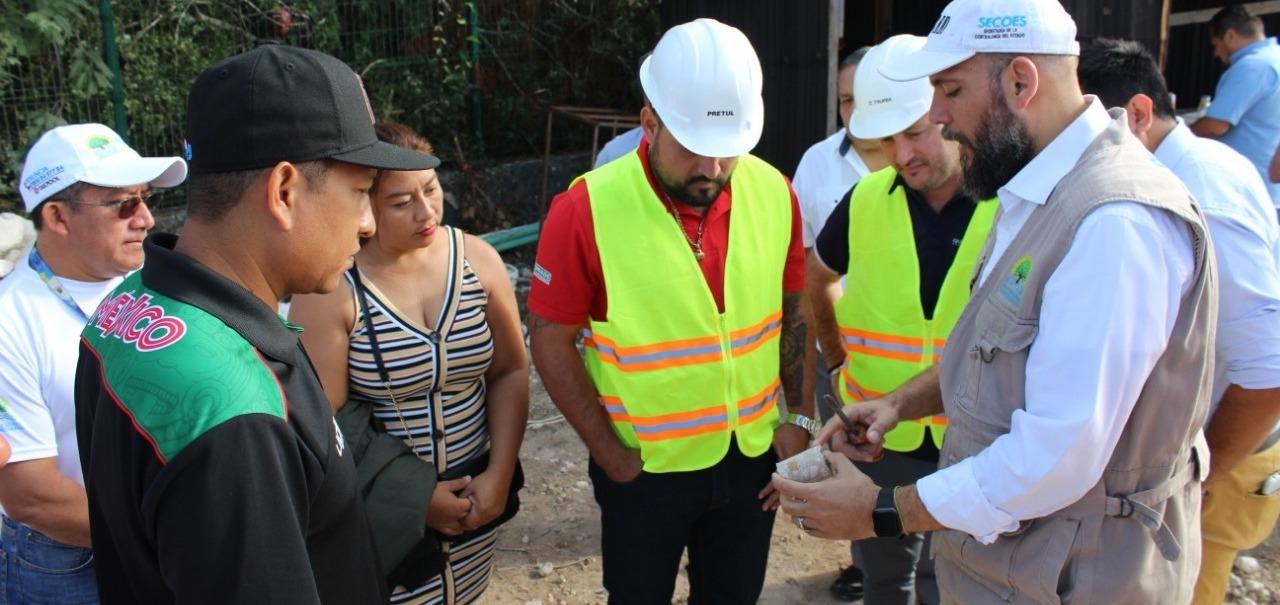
{"x": 802, "y": 421}
{"x": 885, "y": 519}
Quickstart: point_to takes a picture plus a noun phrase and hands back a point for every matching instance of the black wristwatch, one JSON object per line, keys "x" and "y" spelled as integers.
{"x": 885, "y": 518}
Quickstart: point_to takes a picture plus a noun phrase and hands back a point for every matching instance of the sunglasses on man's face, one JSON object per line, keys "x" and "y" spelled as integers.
{"x": 125, "y": 207}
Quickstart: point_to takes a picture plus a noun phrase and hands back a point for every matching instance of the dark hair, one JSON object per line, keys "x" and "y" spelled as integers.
{"x": 1237, "y": 17}
{"x": 853, "y": 58}
{"x": 211, "y": 196}
{"x": 71, "y": 192}
{"x": 1116, "y": 70}
{"x": 400, "y": 135}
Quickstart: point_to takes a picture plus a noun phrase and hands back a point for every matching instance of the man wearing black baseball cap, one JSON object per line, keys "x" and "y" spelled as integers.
{"x": 213, "y": 466}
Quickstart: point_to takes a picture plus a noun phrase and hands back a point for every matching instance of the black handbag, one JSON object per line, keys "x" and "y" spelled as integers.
{"x": 426, "y": 559}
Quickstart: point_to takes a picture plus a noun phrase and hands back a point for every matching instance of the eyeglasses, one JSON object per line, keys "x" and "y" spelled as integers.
{"x": 125, "y": 207}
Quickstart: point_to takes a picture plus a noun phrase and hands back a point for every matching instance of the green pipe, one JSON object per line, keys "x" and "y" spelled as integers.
{"x": 515, "y": 237}
{"x": 113, "y": 63}
{"x": 473, "y": 16}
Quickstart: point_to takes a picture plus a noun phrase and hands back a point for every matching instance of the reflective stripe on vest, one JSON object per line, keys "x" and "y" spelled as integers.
{"x": 886, "y": 338}
{"x": 678, "y": 378}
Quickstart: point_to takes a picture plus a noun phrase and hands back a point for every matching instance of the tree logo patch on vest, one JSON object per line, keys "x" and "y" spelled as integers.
{"x": 1011, "y": 289}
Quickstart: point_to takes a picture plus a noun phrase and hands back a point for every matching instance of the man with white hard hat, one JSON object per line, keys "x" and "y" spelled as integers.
{"x": 681, "y": 268}
{"x": 907, "y": 238}
{"x": 1076, "y": 381}
{"x": 87, "y": 194}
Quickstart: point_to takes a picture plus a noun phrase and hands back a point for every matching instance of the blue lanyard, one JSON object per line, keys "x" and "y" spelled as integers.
{"x": 55, "y": 285}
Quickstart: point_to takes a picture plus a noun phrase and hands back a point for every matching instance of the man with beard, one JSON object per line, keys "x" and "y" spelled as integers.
{"x": 681, "y": 266}
{"x": 1077, "y": 379}
{"x": 908, "y": 239}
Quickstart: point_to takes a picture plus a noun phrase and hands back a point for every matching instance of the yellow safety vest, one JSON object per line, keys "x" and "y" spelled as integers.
{"x": 887, "y": 339}
{"x": 677, "y": 377}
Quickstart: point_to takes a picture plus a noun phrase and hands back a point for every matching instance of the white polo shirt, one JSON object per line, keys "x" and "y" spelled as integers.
{"x": 39, "y": 348}
{"x": 1246, "y": 240}
{"x": 1108, "y": 311}
{"x": 827, "y": 171}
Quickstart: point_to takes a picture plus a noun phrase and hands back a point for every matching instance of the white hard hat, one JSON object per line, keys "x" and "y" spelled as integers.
{"x": 883, "y": 107}
{"x": 93, "y": 154}
{"x": 704, "y": 81}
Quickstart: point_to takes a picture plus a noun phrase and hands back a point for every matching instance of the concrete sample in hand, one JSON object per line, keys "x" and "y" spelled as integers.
{"x": 809, "y": 466}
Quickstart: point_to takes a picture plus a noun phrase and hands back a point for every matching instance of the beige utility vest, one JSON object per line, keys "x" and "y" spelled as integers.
{"x": 1134, "y": 536}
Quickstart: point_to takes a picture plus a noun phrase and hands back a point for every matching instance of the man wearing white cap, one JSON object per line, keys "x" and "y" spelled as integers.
{"x": 681, "y": 266}
{"x": 907, "y": 237}
{"x": 1077, "y": 379}
{"x": 87, "y": 193}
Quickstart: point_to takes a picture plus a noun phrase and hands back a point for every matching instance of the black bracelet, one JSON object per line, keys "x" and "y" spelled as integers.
{"x": 831, "y": 371}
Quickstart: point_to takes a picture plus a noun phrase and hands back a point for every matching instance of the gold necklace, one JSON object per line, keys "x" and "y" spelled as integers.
{"x": 695, "y": 245}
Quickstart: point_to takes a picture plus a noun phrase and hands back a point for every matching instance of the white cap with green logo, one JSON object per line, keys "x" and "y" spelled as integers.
{"x": 969, "y": 27}
{"x": 94, "y": 154}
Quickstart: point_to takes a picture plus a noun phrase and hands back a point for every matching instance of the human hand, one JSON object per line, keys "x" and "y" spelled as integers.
{"x": 788, "y": 440}
{"x": 446, "y": 510}
{"x": 838, "y": 508}
{"x": 622, "y": 468}
{"x": 864, "y": 441}
{"x": 488, "y": 495}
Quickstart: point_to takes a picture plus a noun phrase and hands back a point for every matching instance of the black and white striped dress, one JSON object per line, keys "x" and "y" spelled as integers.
{"x": 437, "y": 375}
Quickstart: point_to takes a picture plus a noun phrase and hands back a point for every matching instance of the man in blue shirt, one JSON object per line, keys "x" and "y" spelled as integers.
{"x": 1245, "y": 113}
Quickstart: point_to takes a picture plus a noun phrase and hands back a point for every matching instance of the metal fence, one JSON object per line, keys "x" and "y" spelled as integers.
{"x": 476, "y": 77}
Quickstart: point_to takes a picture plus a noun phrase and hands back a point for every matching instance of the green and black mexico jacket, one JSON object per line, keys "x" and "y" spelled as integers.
{"x": 214, "y": 469}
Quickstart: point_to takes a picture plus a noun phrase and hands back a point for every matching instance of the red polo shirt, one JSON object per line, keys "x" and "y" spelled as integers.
{"x": 568, "y": 283}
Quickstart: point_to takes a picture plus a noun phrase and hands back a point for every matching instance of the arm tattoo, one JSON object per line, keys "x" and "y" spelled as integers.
{"x": 791, "y": 351}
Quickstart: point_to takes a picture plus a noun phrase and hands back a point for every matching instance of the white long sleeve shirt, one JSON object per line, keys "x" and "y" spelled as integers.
{"x": 1107, "y": 314}
{"x": 827, "y": 171}
{"x": 1246, "y": 241}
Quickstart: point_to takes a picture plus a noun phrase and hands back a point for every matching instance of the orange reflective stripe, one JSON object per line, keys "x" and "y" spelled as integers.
{"x": 756, "y": 406}
{"x": 668, "y": 426}
{"x": 877, "y": 344}
{"x": 938, "y": 420}
{"x": 693, "y": 422}
{"x": 669, "y": 354}
{"x": 747, "y": 340}
{"x": 855, "y": 390}
{"x": 878, "y": 352}
{"x": 894, "y": 338}
{"x": 613, "y": 405}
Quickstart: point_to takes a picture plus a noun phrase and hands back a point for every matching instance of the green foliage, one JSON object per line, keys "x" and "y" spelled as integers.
{"x": 43, "y": 76}
{"x": 419, "y": 59}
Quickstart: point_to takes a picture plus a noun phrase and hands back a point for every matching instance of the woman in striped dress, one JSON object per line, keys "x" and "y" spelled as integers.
{"x": 440, "y": 309}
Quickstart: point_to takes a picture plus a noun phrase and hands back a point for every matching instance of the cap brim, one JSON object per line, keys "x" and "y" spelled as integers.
{"x": 385, "y": 156}
{"x": 922, "y": 64}
{"x": 127, "y": 172}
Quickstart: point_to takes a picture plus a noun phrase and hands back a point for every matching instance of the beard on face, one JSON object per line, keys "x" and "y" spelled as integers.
{"x": 685, "y": 193}
{"x": 1001, "y": 148}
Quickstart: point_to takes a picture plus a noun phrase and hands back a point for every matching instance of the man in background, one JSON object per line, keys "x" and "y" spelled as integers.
{"x": 87, "y": 194}
{"x": 827, "y": 171}
{"x": 1245, "y": 113}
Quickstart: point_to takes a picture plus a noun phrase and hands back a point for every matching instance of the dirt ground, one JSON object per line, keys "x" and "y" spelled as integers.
{"x": 550, "y": 552}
